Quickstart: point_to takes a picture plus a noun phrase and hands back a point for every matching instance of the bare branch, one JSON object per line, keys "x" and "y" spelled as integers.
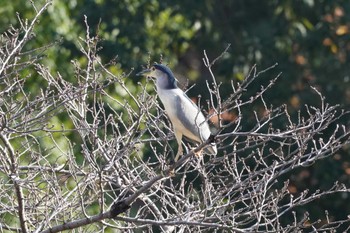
{"x": 93, "y": 152}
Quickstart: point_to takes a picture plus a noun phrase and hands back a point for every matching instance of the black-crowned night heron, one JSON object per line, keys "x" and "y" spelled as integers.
{"x": 186, "y": 118}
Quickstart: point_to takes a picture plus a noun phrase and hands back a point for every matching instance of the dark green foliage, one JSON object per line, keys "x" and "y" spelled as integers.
{"x": 308, "y": 39}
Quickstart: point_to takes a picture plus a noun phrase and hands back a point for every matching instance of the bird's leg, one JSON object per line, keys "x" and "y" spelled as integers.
{"x": 178, "y": 136}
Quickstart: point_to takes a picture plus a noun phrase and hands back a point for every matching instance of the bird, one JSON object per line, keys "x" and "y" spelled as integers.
{"x": 186, "y": 117}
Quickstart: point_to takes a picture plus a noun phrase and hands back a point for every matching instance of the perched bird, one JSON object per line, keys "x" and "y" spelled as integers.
{"x": 186, "y": 118}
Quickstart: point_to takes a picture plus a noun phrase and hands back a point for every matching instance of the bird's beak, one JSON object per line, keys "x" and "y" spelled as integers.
{"x": 145, "y": 72}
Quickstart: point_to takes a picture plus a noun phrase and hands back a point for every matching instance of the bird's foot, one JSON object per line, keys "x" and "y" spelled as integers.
{"x": 198, "y": 154}
{"x": 171, "y": 173}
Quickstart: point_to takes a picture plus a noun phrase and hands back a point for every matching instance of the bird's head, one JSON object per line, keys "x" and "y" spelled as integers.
{"x": 164, "y": 76}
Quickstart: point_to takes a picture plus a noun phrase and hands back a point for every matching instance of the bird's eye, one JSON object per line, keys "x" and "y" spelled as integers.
{"x": 153, "y": 69}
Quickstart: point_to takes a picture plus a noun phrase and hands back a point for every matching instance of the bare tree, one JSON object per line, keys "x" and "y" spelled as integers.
{"x": 107, "y": 164}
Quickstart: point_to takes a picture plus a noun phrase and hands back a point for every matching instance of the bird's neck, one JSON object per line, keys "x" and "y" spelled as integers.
{"x": 165, "y": 82}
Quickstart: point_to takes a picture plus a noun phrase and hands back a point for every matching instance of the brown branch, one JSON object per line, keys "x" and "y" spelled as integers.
{"x": 121, "y": 206}
{"x": 16, "y": 182}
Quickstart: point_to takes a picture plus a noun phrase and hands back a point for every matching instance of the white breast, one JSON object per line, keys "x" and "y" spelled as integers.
{"x": 170, "y": 99}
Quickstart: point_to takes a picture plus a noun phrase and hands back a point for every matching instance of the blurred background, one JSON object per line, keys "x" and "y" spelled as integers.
{"x": 310, "y": 41}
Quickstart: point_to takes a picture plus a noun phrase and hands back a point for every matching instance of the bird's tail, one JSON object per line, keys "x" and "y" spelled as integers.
{"x": 211, "y": 149}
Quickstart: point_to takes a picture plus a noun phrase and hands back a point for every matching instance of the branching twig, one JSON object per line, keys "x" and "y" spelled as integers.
{"x": 94, "y": 150}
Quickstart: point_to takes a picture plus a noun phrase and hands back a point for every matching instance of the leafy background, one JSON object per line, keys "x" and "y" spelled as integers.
{"x": 308, "y": 39}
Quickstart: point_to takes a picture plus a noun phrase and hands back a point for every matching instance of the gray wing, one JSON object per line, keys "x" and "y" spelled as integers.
{"x": 192, "y": 118}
